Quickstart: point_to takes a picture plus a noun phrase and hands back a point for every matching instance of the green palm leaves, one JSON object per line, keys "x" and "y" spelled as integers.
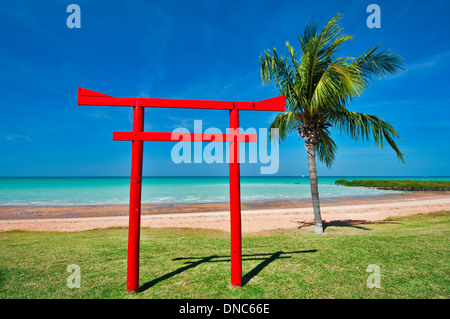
{"x": 318, "y": 87}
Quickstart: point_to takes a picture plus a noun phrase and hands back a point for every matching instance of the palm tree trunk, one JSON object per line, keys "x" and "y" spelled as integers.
{"x": 314, "y": 187}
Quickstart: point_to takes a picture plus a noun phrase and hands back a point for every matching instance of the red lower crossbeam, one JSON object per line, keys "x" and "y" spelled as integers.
{"x": 185, "y": 137}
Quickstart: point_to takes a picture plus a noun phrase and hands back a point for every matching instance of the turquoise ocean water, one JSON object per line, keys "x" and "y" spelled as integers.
{"x": 172, "y": 190}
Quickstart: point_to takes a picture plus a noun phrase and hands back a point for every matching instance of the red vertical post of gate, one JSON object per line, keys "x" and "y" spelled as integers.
{"x": 134, "y": 227}
{"x": 138, "y": 136}
{"x": 235, "y": 203}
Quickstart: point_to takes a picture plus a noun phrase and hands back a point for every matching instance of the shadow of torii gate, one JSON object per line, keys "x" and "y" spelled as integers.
{"x": 192, "y": 262}
{"x": 138, "y": 136}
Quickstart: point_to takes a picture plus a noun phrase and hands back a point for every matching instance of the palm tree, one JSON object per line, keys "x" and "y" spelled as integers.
{"x": 318, "y": 87}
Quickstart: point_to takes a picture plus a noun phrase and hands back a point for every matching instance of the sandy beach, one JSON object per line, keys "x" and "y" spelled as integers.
{"x": 256, "y": 217}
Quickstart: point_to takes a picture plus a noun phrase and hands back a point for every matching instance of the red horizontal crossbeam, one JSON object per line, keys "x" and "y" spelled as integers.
{"x": 186, "y": 137}
{"x": 88, "y": 97}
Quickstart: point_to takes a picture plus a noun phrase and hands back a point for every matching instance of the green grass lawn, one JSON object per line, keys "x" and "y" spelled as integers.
{"x": 412, "y": 254}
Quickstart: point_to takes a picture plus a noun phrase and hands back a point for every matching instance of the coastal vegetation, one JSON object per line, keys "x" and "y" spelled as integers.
{"x": 398, "y": 185}
{"x": 411, "y": 254}
{"x": 318, "y": 87}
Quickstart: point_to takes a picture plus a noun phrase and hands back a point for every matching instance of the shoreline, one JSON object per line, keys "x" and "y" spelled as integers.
{"x": 256, "y": 216}
{"x": 107, "y": 210}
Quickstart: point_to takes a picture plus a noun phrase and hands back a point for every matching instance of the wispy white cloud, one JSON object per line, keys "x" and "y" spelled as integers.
{"x": 17, "y": 137}
{"x": 430, "y": 62}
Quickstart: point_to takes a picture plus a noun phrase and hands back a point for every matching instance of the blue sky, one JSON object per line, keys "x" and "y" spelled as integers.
{"x": 205, "y": 50}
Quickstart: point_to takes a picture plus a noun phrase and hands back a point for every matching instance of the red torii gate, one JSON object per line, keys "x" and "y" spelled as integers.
{"x": 138, "y": 136}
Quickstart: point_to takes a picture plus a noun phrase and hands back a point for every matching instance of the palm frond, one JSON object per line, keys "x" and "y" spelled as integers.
{"x": 275, "y": 68}
{"x": 326, "y": 148}
{"x": 285, "y": 122}
{"x": 293, "y": 58}
{"x": 373, "y": 64}
{"x": 317, "y": 63}
{"x": 339, "y": 83}
{"x": 366, "y": 126}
